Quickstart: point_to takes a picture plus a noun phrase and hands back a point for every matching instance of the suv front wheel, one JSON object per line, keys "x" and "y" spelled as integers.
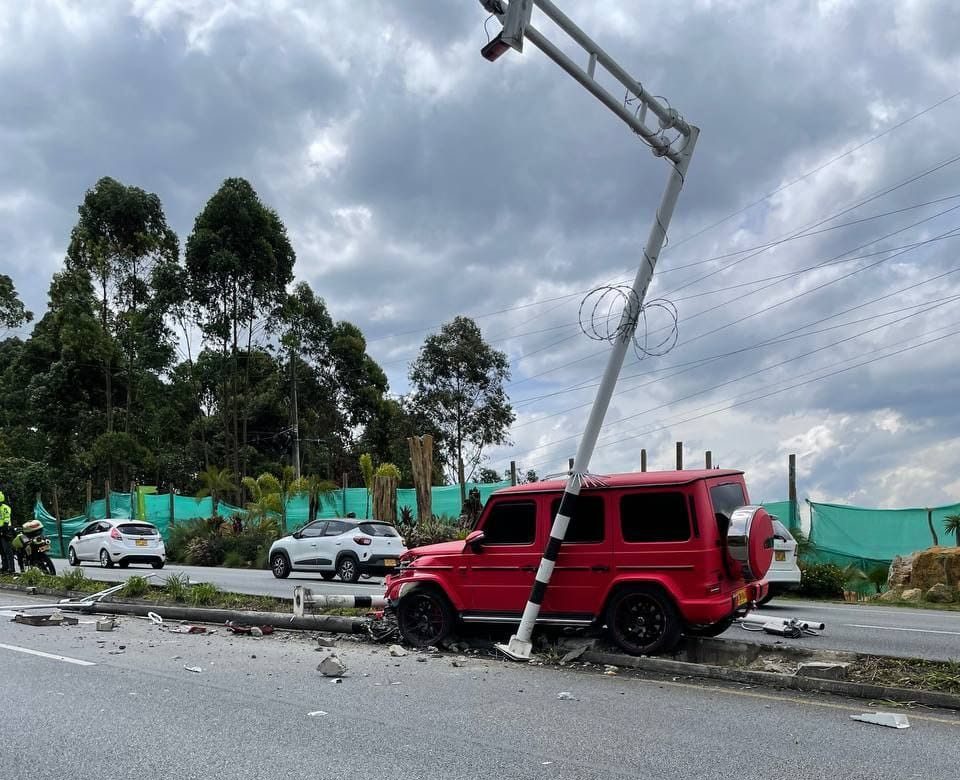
{"x": 643, "y": 620}
{"x": 279, "y": 565}
{"x": 425, "y": 617}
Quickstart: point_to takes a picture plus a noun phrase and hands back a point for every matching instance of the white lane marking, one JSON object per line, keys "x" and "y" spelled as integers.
{"x": 64, "y": 658}
{"x": 913, "y": 612}
{"x": 895, "y": 628}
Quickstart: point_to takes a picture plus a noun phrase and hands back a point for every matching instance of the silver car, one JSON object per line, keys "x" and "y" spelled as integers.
{"x": 342, "y": 547}
{"x": 118, "y": 541}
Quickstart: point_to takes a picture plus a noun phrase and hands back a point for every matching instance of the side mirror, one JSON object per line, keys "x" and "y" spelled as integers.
{"x": 296, "y": 534}
{"x": 474, "y": 540}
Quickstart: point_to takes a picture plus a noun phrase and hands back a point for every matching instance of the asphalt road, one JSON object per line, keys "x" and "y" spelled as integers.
{"x": 79, "y": 707}
{"x": 917, "y": 633}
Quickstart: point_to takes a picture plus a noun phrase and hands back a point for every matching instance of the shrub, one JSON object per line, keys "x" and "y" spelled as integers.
{"x": 436, "y": 529}
{"x": 177, "y": 585}
{"x": 262, "y": 561}
{"x": 136, "y": 586}
{"x": 822, "y": 580}
{"x": 74, "y": 579}
{"x": 31, "y": 578}
{"x": 203, "y": 594}
{"x": 205, "y": 551}
{"x": 234, "y": 560}
{"x": 181, "y": 534}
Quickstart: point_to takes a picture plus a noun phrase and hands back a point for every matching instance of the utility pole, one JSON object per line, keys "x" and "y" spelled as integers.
{"x": 679, "y": 456}
{"x": 708, "y": 460}
{"x": 677, "y": 147}
{"x": 643, "y": 460}
{"x": 792, "y": 492}
{"x": 296, "y": 415}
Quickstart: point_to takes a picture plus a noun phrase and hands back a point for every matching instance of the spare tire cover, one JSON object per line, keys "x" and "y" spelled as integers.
{"x": 750, "y": 541}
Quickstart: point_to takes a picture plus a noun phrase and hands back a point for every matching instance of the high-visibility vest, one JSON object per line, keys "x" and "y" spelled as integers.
{"x": 4, "y": 515}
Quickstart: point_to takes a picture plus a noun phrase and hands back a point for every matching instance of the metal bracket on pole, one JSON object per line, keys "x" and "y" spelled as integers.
{"x": 679, "y": 150}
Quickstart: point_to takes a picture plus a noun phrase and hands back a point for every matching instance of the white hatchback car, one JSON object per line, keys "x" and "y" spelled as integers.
{"x": 343, "y": 548}
{"x": 784, "y": 570}
{"x": 118, "y": 541}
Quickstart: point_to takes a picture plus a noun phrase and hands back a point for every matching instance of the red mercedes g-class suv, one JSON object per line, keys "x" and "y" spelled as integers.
{"x": 651, "y": 555}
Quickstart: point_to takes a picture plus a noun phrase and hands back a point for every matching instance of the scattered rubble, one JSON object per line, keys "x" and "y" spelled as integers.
{"x": 824, "y": 670}
{"x": 187, "y": 629}
{"x": 565, "y": 695}
{"x": 106, "y": 624}
{"x": 323, "y": 643}
{"x": 195, "y": 669}
{"x": 397, "y": 651}
{"x": 332, "y": 666}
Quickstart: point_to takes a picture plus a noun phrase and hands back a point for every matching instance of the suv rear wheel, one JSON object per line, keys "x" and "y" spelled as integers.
{"x": 425, "y": 617}
{"x": 279, "y": 565}
{"x": 347, "y": 568}
{"x": 643, "y": 620}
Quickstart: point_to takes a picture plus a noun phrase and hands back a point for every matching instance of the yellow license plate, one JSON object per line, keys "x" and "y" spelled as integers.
{"x": 780, "y": 555}
{"x": 141, "y": 542}
{"x": 740, "y": 598}
{"x": 389, "y": 561}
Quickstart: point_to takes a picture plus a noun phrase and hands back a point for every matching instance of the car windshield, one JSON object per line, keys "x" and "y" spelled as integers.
{"x": 137, "y": 529}
{"x": 378, "y": 529}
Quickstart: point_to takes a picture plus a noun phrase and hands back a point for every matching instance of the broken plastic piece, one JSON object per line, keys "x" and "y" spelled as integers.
{"x": 195, "y": 669}
{"x": 891, "y": 720}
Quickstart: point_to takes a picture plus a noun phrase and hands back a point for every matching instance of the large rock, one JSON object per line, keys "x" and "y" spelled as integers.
{"x": 891, "y": 595}
{"x": 936, "y": 565}
{"x": 899, "y": 574}
{"x": 913, "y": 594}
{"x": 939, "y": 594}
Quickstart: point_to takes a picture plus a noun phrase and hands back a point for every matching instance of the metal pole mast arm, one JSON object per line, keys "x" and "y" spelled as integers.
{"x": 513, "y": 38}
{"x": 679, "y": 150}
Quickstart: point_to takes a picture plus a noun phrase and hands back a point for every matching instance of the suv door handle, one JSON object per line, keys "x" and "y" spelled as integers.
{"x": 599, "y": 568}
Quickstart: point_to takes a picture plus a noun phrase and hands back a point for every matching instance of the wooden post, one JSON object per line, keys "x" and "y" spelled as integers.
{"x": 173, "y": 517}
{"x": 344, "y": 493}
{"x": 708, "y": 460}
{"x": 792, "y": 491}
{"x": 570, "y": 464}
{"x": 133, "y": 501}
{"x": 56, "y": 514}
{"x": 679, "y": 456}
{"x": 86, "y": 510}
{"x": 385, "y": 499}
{"x": 643, "y": 460}
{"x": 513, "y": 472}
{"x": 421, "y": 467}
{"x": 106, "y": 496}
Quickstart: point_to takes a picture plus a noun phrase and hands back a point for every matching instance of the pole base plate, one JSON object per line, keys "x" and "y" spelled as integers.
{"x": 516, "y": 650}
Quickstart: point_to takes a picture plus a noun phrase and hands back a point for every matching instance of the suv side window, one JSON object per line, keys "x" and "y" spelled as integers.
{"x": 313, "y": 530}
{"x": 337, "y": 527}
{"x": 654, "y": 517}
{"x": 586, "y": 525}
{"x": 513, "y": 522}
{"x": 725, "y": 498}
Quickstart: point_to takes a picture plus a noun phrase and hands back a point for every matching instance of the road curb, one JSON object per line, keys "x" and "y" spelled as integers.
{"x": 334, "y": 623}
{"x": 774, "y": 680}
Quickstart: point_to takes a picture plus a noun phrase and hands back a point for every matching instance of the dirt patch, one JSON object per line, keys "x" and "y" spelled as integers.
{"x": 910, "y": 673}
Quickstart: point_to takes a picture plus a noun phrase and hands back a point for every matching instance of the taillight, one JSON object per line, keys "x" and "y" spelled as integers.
{"x": 364, "y": 540}
{"x": 115, "y": 534}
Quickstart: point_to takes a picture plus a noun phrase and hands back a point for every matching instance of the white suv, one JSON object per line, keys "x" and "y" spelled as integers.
{"x": 784, "y": 570}
{"x": 344, "y": 548}
{"x": 118, "y": 541}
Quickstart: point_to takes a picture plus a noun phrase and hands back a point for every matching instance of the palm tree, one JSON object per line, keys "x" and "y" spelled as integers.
{"x": 264, "y": 500}
{"x": 215, "y": 482}
{"x": 951, "y": 524}
{"x": 319, "y": 491}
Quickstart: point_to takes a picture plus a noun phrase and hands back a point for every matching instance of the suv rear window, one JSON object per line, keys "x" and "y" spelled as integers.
{"x": 378, "y": 529}
{"x": 511, "y": 523}
{"x": 586, "y": 525}
{"x": 654, "y": 517}
{"x": 137, "y": 529}
{"x": 726, "y": 498}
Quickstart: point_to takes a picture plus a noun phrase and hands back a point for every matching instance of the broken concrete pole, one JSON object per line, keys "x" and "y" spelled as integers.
{"x": 331, "y": 666}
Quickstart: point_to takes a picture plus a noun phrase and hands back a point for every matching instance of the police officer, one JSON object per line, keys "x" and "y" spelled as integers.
{"x": 6, "y": 534}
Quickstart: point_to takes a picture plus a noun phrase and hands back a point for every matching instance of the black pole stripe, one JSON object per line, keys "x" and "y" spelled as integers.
{"x": 553, "y": 548}
{"x": 567, "y": 504}
{"x": 362, "y": 601}
{"x": 536, "y": 595}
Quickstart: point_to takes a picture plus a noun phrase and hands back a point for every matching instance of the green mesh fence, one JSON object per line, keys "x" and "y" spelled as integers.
{"x": 872, "y": 537}
{"x": 786, "y": 512}
{"x": 155, "y": 508}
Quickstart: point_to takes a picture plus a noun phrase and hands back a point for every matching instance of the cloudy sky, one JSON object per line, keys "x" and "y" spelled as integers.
{"x": 811, "y": 258}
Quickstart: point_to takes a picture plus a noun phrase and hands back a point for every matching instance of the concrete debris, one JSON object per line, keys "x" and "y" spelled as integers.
{"x": 257, "y": 632}
{"x": 106, "y": 624}
{"x": 893, "y": 720}
{"x": 610, "y": 670}
{"x": 323, "y": 643}
{"x": 457, "y": 664}
{"x": 564, "y": 695}
{"x": 194, "y": 669}
{"x": 316, "y": 713}
{"x": 331, "y": 666}
{"x": 574, "y": 654}
{"x": 55, "y": 619}
{"x": 823, "y": 670}
{"x": 396, "y": 682}
{"x": 396, "y": 651}
{"x": 337, "y": 680}
{"x": 422, "y": 659}
{"x": 187, "y": 629}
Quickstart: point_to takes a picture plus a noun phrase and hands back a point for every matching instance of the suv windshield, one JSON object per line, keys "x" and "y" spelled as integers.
{"x": 378, "y": 529}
